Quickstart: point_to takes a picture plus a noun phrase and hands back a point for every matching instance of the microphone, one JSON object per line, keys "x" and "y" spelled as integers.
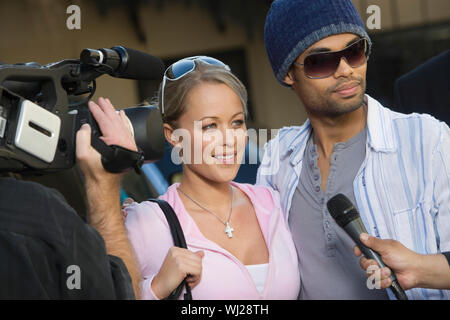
{"x": 347, "y": 217}
{"x": 125, "y": 63}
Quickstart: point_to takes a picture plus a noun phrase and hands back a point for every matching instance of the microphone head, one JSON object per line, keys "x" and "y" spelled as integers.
{"x": 342, "y": 209}
{"x": 139, "y": 65}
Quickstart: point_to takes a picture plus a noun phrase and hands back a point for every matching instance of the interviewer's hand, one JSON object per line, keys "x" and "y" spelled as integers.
{"x": 402, "y": 261}
{"x": 115, "y": 129}
{"x": 178, "y": 264}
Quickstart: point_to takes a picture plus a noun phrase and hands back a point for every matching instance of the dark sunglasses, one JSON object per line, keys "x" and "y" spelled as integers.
{"x": 324, "y": 64}
{"x": 184, "y": 66}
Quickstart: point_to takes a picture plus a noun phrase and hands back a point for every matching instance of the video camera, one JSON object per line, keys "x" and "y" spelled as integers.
{"x": 42, "y": 108}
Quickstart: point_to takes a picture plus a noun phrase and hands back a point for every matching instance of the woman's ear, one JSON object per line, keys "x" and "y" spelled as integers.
{"x": 168, "y": 133}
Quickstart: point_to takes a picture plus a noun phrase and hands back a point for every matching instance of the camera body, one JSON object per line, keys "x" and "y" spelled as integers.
{"x": 42, "y": 108}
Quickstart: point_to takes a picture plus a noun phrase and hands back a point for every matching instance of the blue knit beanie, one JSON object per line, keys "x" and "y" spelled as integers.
{"x": 292, "y": 26}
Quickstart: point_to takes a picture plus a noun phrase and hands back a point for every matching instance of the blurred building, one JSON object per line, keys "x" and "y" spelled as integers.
{"x": 35, "y": 30}
{"x": 411, "y": 32}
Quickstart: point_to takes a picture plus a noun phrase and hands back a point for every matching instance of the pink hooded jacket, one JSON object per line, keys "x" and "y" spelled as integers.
{"x": 224, "y": 277}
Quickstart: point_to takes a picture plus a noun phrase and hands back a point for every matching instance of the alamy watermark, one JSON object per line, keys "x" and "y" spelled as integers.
{"x": 221, "y": 148}
{"x": 73, "y": 21}
{"x": 374, "y": 279}
{"x": 374, "y": 20}
{"x": 74, "y": 279}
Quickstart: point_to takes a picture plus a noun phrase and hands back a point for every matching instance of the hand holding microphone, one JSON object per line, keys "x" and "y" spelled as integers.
{"x": 402, "y": 261}
{"x": 347, "y": 217}
{"x": 413, "y": 270}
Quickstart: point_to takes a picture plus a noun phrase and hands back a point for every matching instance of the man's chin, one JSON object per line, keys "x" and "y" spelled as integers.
{"x": 346, "y": 105}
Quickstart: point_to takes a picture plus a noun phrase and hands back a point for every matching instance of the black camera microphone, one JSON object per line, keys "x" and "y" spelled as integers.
{"x": 347, "y": 217}
{"x": 125, "y": 63}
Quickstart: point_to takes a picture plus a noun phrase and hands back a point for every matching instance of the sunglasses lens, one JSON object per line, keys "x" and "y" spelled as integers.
{"x": 184, "y": 66}
{"x": 321, "y": 65}
{"x": 213, "y": 61}
{"x": 180, "y": 68}
{"x": 356, "y": 54}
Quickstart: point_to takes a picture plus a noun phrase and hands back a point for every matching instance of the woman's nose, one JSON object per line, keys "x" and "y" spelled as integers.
{"x": 229, "y": 137}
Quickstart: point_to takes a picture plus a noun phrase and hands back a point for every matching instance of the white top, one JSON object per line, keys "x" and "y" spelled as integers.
{"x": 259, "y": 275}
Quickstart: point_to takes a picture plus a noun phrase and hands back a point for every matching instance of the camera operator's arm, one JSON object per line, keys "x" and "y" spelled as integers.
{"x": 103, "y": 188}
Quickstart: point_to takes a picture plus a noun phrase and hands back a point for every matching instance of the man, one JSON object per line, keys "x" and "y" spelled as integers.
{"x": 393, "y": 167}
{"x": 48, "y": 251}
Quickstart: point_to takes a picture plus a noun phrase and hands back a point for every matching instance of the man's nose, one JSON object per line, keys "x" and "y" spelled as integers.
{"x": 344, "y": 69}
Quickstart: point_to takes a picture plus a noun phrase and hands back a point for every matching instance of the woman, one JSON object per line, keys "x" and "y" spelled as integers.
{"x": 239, "y": 245}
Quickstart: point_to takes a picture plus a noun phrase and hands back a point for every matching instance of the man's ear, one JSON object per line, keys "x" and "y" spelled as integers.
{"x": 289, "y": 79}
{"x": 168, "y": 131}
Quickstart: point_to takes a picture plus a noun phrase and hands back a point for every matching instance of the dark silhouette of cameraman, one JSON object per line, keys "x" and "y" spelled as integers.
{"x": 47, "y": 251}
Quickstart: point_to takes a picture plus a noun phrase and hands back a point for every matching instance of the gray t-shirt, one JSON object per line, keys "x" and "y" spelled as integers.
{"x": 328, "y": 267}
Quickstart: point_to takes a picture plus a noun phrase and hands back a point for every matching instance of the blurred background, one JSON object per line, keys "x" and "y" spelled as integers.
{"x": 412, "y": 31}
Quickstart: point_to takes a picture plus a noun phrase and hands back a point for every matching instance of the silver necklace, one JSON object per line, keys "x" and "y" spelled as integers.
{"x": 228, "y": 229}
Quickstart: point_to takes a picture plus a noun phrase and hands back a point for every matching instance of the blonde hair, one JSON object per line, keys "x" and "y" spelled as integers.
{"x": 175, "y": 92}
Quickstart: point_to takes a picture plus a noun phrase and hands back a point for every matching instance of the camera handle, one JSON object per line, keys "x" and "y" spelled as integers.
{"x": 115, "y": 159}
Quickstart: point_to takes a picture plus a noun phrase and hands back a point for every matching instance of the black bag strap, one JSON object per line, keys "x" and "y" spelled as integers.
{"x": 178, "y": 240}
{"x": 447, "y": 256}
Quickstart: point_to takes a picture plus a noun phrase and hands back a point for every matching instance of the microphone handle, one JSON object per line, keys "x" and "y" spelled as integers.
{"x": 354, "y": 229}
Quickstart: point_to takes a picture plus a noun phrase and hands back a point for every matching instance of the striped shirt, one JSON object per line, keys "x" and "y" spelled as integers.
{"x": 402, "y": 188}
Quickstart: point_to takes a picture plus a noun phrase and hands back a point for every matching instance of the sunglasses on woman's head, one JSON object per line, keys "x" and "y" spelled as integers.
{"x": 324, "y": 64}
{"x": 184, "y": 66}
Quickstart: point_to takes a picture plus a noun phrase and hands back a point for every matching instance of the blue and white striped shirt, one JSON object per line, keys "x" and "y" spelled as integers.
{"x": 402, "y": 188}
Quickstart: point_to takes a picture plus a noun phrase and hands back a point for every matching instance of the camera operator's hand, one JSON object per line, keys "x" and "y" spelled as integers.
{"x": 116, "y": 130}
{"x": 115, "y": 127}
{"x": 103, "y": 187}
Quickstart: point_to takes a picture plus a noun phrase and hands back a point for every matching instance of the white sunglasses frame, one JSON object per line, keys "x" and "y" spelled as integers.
{"x": 165, "y": 78}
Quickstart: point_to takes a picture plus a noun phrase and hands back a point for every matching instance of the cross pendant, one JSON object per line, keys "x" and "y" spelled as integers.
{"x": 229, "y": 231}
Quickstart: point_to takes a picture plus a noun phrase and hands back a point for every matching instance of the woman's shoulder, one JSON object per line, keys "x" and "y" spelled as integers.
{"x": 262, "y": 194}
{"x": 150, "y": 211}
{"x": 143, "y": 212}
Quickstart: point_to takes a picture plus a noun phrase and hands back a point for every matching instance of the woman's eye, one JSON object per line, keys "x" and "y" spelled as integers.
{"x": 209, "y": 126}
{"x": 238, "y": 123}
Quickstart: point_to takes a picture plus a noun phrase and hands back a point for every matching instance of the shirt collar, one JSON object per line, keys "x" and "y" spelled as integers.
{"x": 298, "y": 144}
{"x": 380, "y": 131}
